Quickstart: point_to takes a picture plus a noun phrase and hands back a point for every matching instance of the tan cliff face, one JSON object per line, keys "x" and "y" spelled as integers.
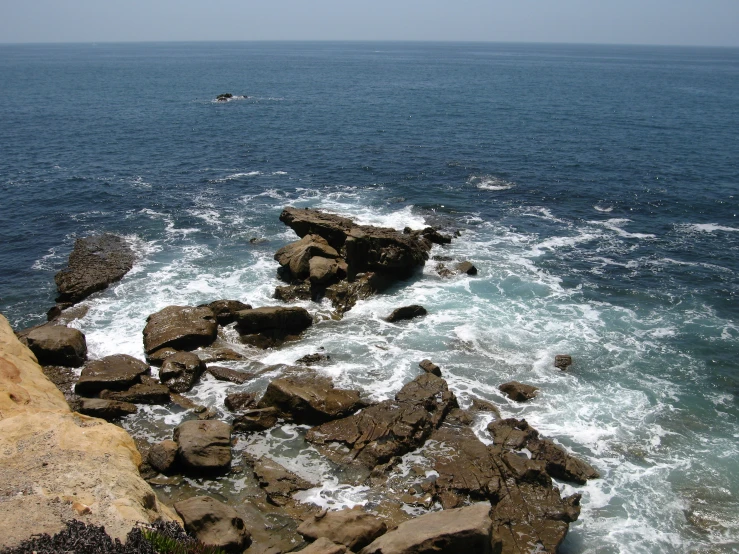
{"x": 57, "y": 465}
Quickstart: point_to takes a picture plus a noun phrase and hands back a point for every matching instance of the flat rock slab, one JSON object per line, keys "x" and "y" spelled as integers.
{"x": 355, "y": 528}
{"x": 117, "y": 372}
{"x": 214, "y": 523}
{"x": 181, "y": 371}
{"x": 106, "y": 409}
{"x": 180, "y": 328}
{"x": 57, "y": 345}
{"x": 259, "y": 419}
{"x": 228, "y": 374}
{"x": 204, "y": 446}
{"x": 447, "y": 532}
{"x": 95, "y": 263}
{"x": 141, "y": 393}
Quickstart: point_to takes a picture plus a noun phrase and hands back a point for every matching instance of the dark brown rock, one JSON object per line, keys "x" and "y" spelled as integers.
{"x": 225, "y": 310}
{"x": 291, "y": 293}
{"x": 311, "y": 359}
{"x": 466, "y": 267}
{"x": 562, "y": 361}
{"x": 57, "y": 345}
{"x": 158, "y": 357}
{"x": 479, "y": 405}
{"x": 324, "y": 546}
{"x": 434, "y": 236}
{"x": 295, "y": 258}
{"x": 214, "y": 523}
{"x": 406, "y": 312}
{"x": 519, "y": 392}
{"x": 180, "y": 327}
{"x": 204, "y": 446}
{"x": 141, "y": 393}
{"x": 430, "y": 367}
{"x": 240, "y": 401}
{"x": 181, "y": 371}
{"x": 95, "y": 263}
{"x": 355, "y": 528}
{"x": 279, "y": 483}
{"x": 162, "y": 456}
{"x": 214, "y": 353}
{"x": 512, "y": 434}
{"x": 105, "y": 409}
{"x": 258, "y": 419}
{"x": 277, "y": 320}
{"x": 344, "y": 295}
{"x": 117, "y": 372}
{"x": 231, "y": 375}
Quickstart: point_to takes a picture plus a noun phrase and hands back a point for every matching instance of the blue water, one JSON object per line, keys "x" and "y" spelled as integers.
{"x": 596, "y": 189}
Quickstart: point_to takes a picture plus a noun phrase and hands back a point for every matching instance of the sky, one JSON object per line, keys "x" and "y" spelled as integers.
{"x": 670, "y": 22}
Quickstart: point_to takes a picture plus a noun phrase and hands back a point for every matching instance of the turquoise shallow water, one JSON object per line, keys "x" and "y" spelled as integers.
{"x": 595, "y": 188}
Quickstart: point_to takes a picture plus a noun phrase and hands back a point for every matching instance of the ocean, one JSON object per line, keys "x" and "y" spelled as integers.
{"x": 595, "y": 188}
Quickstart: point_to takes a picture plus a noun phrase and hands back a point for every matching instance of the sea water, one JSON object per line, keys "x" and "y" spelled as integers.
{"x": 595, "y": 188}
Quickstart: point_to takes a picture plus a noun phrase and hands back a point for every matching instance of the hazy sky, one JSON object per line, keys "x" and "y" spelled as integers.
{"x": 689, "y": 22}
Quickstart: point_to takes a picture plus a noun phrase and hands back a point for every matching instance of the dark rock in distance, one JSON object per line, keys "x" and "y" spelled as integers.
{"x": 430, "y": 367}
{"x": 224, "y": 97}
{"x": 519, "y": 392}
{"x": 204, "y": 447}
{"x": 105, "y": 409}
{"x": 57, "y": 345}
{"x": 180, "y": 328}
{"x": 95, "y": 263}
{"x": 406, "y": 312}
{"x": 214, "y": 523}
{"x": 562, "y": 361}
{"x": 434, "y": 236}
{"x": 310, "y": 359}
{"x": 181, "y": 371}
{"x": 117, "y": 372}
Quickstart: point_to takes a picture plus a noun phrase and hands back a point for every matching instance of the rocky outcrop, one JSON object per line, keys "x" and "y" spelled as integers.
{"x": 181, "y": 371}
{"x": 117, "y": 372}
{"x": 279, "y": 483}
{"x": 430, "y": 367}
{"x": 180, "y": 328}
{"x": 204, "y": 447}
{"x": 56, "y": 465}
{"x": 214, "y": 523}
{"x": 519, "y": 392}
{"x": 57, "y": 345}
{"x": 95, "y": 263}
{"x": 355, "y": 528}
{"x": 406, "y": 312}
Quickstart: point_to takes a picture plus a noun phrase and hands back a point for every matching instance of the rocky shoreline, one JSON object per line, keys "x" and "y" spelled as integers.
{"x": 493, "y": 496}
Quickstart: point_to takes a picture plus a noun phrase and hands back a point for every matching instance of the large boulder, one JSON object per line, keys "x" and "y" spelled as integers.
{"x": 106, "y": 409}
{"x": 57, "y": 345}
{"x": 214, "y": 523}
{"x": 204, "y": 446}
{"x": 95, "y": 263}
{"x": 355, "y": 528}
{"x": 273, "y": 320}
{"x": 117, "y": 372}
{"x": 180, "y": 328}
{"x": 406, "y": 312}
{"x": 520, "y": 392}
{"x": 181, "y": 371}
{"x": 447, "y": 532}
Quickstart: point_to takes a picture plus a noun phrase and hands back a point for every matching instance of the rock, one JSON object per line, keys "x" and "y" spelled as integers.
{"x": 65, "y": 312}
{"x": 295, "y": 258}
{"x": 231, "y": 375}
{"x": 279, "y": 483}
{"x": 225, "y": 310}
{"x": 239, "y": 401}
{"x": 258, "y": 419}
{"x": 434, "y": 236}
{"x": 214, "y": 523}
{"x": 162, "y": 456}
{"x": 309, "y": 398}
{"x": 95, "y": 263}
{"x": 204, "y": 446}
{"x": 562, "y": 361}
{"x": 181, "y": 371}
{"x": 215, "y": 353}
{"x": 142, "y": 393}
{"x": 466, "y": 529}
{"x": 106, "y": 409}
{"x": 388, "y": 429}
{"x": 158, "y": 357}
{"x": 323, "y": 270}
{"x": 57, "y": 345}
{"x": 344, "y": 294}
{"x": 278, "y": 321}
{"x": 311, "y": 359}
{"x": 466, "y": 267}
{"x": 406, "y": 312}
{"x": 180, "y": 327}
{"x": 224, "y": 97}
{"x": 429, "y": 367}
{"x": 355, "y": 528}
{"x": 324, "y": 546}
{"x": 512, "y": 434}
{"x": 117, "y": 372}
{"x": 479, "y": 405}
{"x": 518, "y": 391}
{"x": 291, "y": 293}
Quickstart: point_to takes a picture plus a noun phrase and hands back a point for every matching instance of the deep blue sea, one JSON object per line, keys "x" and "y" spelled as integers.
{"x": 596, "y": 188}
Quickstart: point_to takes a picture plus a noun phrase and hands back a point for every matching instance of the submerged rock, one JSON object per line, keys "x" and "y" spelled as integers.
{"x": 57, "y": 345}
{"x": 258, "y": 419}
{"x": 180, "y": 328}
{"x": 214, "y": 523}
{"x": 562, "y": 361}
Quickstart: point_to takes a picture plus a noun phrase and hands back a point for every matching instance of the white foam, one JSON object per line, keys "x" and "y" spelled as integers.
{"x": 709, "y": 227}
{"x": 605, "y": 209}
{"x": 617, "y": 225}
{"x": 490, "y": 182}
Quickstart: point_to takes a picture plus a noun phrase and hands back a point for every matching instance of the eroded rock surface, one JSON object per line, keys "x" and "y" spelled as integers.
{"x": 204, "y": 446}
{"x": 355, "y": 528}
{"x": 180, "y": 328}
{"x": 117, "y": 372}
{"x": 181, "y": 371}
{"x": 214, "y": 523}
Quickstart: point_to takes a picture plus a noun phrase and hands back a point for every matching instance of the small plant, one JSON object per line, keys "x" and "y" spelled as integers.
{"x": 167, "y": 545}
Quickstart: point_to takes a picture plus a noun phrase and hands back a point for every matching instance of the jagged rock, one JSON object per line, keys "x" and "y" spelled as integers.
{"x": 258, "y": 419}
{"x": 324, "y": 546}
{"x": 434, "y": 236}
{"x": 117, "y": 372}
{"x": 310, "y": 359}
{"x": 291, "y": 293}
{"x": 239, "y": 401}
{"x": 479, "y": 405}
{"x": 519, "y": 392}
{"x": 95, "y": 263}
{"x": 214, "y": 523}
{"x": 295, "y": 258}
{"x": 150, "y": 392}
{"x": 181, "y": 371}
{"x": 388, "y": 429}
{"x": 430, "y": 367}
{"x": 225, "y": 310}
{"x": 453, "y": 531}
{"x": 309, "y": 398}
{"x": 57, "y": 345}
{"x": 204, "y": 446}
{"x": 466, "y": 267}
{"x": 279, "y": 483}
{"x": 562, "y": 361}
{"x": 162, "y": 456}
{"x": 355, "y": 528}
{"x": 180, "y": 327}
{"x": 231, "y": 375}
{"x": 512, "y": 433}
{"x": 406, "y": 312}
{"x": 105, "y": 409}
{"x": 323, "y": 270}
{"x": 345, "y": 294}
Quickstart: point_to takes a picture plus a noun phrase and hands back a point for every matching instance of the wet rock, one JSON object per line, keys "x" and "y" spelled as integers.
{"x": 291, "y": 293}
{"x": 162, "y": 456}
{"x": 519, "y": 392}
{"x": 309, "y": 398}
{"x": 279, "y": 483}
{"x": 344, "y": 295}
{"x": 231, "y": 375}
{"x": 214, "y": 523}
{"x": 239, "y": 401}
{"x": 95, "y": 263}
{"x": 323, "y": 270}
{"x": 295, "y": 258}
{"x": 117, "y": 372}
{"x": 284, "y": 320}
{"x": 224, "y": 97}
{"x": 562, "y": 361}
{"x": 479, "y": 405}
{"x": 434, "y": 236}
{"x": 430, "y": 367}
{"x": 466, "y": 529}
{"x": 324, "y": 546}
{"x": 204, "y": 446}
{"x": 141, "y": 393}
{"x": 158, "y": 357}
{"x": 258, "y": 419}
{"x": 355, "y": 528}
{"x": 181, "y": 371}
{"x": 57, "y": 345}
{"x": 406, "y": 312}
{"x": 105, "y": 409}
{"x": 466, "y": 267}
{"x": 225, "y": 310}
{"x": 311, "y": 359}
{"x": 214, "y": 353}
{"x": 180, "y": 327}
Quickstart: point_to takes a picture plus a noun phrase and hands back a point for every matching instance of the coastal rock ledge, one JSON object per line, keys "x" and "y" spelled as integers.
{"x": 56, "y": 465}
